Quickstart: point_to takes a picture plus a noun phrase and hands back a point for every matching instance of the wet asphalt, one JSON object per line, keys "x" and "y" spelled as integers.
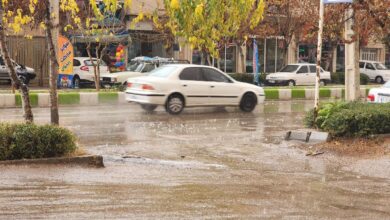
{"x": 207, "y": 163}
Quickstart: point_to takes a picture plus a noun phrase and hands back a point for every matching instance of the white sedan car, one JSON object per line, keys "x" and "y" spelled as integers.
{"x": 380, "y": 95}
{"x": 176, "y": 86}
{"x": 298, "y": 74}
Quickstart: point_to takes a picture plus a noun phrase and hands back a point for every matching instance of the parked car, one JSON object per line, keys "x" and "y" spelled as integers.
{"x": 380, "y": 95}
{"x": 298, "y": 74}
{"x": 376, "y": 71}
{"x": 176, "y": 86}
{"x": 25, "y": 74}
{"x": 83, "y": 70}
{"x": 139, "y": 66}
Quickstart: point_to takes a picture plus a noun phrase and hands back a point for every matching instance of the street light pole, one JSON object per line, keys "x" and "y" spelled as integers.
{"x": 352, "y": 78}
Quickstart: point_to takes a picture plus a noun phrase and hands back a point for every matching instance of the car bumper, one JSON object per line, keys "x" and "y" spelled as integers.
{"x": 260, "y": 98}
{"x": 272, "y": 82}
{"x": 145, "y": 98}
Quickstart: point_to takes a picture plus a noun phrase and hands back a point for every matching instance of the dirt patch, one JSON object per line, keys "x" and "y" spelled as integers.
{"x": 358, "y": 147}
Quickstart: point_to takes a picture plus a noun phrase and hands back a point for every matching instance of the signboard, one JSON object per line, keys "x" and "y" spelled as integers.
{"x": 65, "y": 62}
{"x": 337, "y": 1}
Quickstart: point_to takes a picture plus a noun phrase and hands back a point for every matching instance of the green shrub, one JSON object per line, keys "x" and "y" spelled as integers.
{"x": 33, "y": 99}
{"x": 354, "y": 119}
{"x": 28, "y": 141}
{"x": 242, "y": 77}
{"x": 339, "y": 78}
{"x": 325, "y": 93}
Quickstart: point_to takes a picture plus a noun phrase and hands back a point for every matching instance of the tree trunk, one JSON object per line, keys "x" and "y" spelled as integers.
{"x": 28, "y": 115}
{"x": 54, "y": 115}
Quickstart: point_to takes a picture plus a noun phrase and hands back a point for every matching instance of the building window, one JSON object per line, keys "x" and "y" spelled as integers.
{"x": 371, "y": 54}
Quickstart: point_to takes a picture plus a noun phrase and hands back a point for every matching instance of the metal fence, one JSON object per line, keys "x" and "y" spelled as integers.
{"x": 31, "y": 53}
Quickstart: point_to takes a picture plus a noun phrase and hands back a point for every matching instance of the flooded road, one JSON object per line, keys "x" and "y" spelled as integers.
{"x": 207, "y": 163}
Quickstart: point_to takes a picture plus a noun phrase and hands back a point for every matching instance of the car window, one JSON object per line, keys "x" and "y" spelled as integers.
{"x": 76, "y": 62}
{"x": 361, "y": 65}
{"x": 303, "y": 69}
{"x": 289, "y": 69}
{"x": 148, "y": 67}
{"x": 89, "y": 63}
{"x": 214, "y": 76}
{"x": 163, "y": 72}
{"x": 380, "y": 66}
{"x": 313, "y": 69}
{"x": 370, "y": 66}
{"x": 192, "y": 73}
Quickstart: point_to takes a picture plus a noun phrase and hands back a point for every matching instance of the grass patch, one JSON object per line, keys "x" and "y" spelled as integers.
{"x": 298, "y": 93}
{"x": 325, "y": 93}
{"x": 68, "y": 98}
{"x": 108, "y": 97}
{"x": 271, "y": 93}
{"x": 33, "y": 100}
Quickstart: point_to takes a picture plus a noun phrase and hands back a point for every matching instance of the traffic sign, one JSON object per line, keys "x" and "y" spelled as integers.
{"x": 337, "y": 1}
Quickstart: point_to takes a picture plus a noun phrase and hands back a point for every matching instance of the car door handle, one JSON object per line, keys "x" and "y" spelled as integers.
{"x": 212, "y": 86}
{"x": 184, "y": 85}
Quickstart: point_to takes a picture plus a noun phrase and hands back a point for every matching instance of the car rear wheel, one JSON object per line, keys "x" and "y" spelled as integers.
{"x": 148, "y": 107}
{"x": 322, "y": 83}
{"x": 379, "y": 79}
{"x": 175, "y": 104}
{"x": 248, "y": 102}
{"x": 291, "y": 83}
{"x": 24, "y": 80}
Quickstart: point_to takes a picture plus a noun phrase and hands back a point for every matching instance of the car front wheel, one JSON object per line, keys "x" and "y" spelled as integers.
{"x": 248, "y": 102}
{"x": 379, "y": 79}
{"x": 148, "y": 107}
{"x": 174, "y": 105}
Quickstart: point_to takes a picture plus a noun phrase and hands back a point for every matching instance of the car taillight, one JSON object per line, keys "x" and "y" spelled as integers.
{"x": 370, "y": 98}
{"x": 147, "y": 87}
{"x": 84, "y": 68}
{"x": 129, "y": 85}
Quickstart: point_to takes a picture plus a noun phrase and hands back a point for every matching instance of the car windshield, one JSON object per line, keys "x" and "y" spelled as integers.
{"x": 380, "y": 66}
{"x": 89, "y": 63}
{"x": 387, "y": 85}
{"x": 132, "y": 66}
{"x": 163, "y": 72}
{"x": 289, "y": 68}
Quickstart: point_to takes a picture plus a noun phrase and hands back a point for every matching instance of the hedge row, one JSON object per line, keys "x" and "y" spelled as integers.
{"x": 354, "y": 119}
{"x": 29, "y": 141}
{"x": 339, "y": 78}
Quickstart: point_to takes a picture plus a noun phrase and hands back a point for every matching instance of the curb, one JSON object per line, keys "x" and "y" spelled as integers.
{"x": 96, "y": 98}
{"x": 89, "y": 161}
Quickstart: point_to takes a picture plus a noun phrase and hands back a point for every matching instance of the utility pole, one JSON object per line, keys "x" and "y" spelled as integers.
{"x": 319, "y": 55}
{"x": 352, "y": 75}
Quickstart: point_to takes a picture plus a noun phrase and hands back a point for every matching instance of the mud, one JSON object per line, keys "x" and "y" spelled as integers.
{"x": 203, "y": 164}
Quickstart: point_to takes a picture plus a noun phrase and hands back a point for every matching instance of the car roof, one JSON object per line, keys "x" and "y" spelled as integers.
{"x": 300, "y": 64}
{"x": 369, "y": 61}
{"x": 188, "y": 65}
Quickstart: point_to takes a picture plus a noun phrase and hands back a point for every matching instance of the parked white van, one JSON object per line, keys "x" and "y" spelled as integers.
{"x": 376, "y": 71}
{"x": 298, "y": 74}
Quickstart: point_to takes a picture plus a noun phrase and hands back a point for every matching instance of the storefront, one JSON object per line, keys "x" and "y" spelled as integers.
{"x": 271, "y": 55}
